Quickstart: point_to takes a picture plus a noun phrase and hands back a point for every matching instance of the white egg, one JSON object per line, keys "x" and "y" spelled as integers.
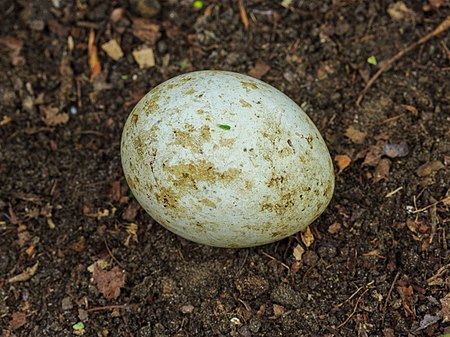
{"x": 226, "y": 160}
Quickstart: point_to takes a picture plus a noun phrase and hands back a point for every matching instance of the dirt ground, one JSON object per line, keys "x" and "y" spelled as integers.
{"x": 78, "y": 256}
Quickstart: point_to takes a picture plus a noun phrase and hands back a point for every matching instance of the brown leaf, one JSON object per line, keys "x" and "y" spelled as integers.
{"x": 343, "y": 161}
{"x": 382, "y": 170}
{"x": 430, "y": 167}
{"x": 52, "y": 116}
{"x": 278, "y": 310}
{"x": 18, "y": 319}
{"x": 445, "y": 310}
{"x": 146, "y": 31}
{"x": 25, "y": 275}
{"x": 110, "y": 282}
{"x": 334, "y": 228}
{"x": 406, "y": 295}
{"x": 112, "y": 48}
{"x": 117, "y": 14}
{"x": 259, "y": 69}
{"x": 131, "y": 211}
{"x": 307, "y": 237}
{"x": 373, "y": 156}
{"x": 15, "y": 45}
{"x": 116, "y": 190}
{"x": 298, "y": 252}
{"x": 144, "y": 57}
{"x": 355, "y": 135}
{"x": 398, "y": 11}
{"x": 388, "y": 332}
{"x": 94, "y": 63}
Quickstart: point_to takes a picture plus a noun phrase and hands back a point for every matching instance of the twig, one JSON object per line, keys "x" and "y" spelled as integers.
{"x": 354, "y": 309}
{"x": 432, "y": 205}
{"x": 389, "y": 63}
{"x": 109, "y": 307}
{"x": 274, "y": 259}
{"x": 389, "y": 294}
{"x": 243, "y": 13}
{"x": 112, "y": 255}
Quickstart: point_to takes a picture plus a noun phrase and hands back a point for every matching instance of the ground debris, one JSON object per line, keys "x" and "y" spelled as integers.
{"x": 25, "y": 275}
{"x": 395, "y": 150}
{"x": 355, "y": 135}
{"x": 445, "y": 310}
{"x": 146, "y": 31}
{"x": 112, "y": 48}
{"x": 52, "y": 116}
{"x": 342, "y": 161}
{"x": 144, "y": 57}
{"x": 18, "y": 320}
{"x": 406, "y": 295}
{"x": 430, "y": 167}
{"x": 110, "y": 282}
{"x": 259, "y": 69}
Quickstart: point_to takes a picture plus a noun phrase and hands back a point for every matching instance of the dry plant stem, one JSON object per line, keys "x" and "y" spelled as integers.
{"x": 243, "y": 13}
{"x": 389, "y": 63}
{"x": 389, "y": 294}
{"x": 109, "y": 307}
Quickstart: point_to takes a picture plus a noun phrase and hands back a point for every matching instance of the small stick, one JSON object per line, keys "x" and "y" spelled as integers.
{"x": 389, "y": 295}
{"x": 432, "y": 205}
{"x": 112, "y": 255}
{"x": 243, "y": 13}
{"x": 389, "y": 63}
{"x": 354, "y": 309}
{"x": 274, "y": 259}
{"x": 109, "y": 307}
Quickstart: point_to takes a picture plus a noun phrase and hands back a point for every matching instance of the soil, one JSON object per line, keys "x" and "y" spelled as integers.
{"x": 78, "y": 256}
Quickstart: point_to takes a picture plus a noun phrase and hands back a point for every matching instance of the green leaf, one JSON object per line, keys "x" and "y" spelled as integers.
{"x": 225, "y": 127}
{"x": 446, "y": 335}
{"x": 78, "y": 326}
{"x": 372, "y": 60}
{"x": 198, "y": 4}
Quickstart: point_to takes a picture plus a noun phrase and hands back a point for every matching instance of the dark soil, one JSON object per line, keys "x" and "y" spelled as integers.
{"x": 379, "y": 262}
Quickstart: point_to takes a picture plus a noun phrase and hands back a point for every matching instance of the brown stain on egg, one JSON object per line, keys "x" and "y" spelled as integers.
{"x": 248, "y": 85}
{"x": 205, "y": 132}
{"x": 227, "y": 142}
{"x": 186, "y": 176}
{"x": 167, "y": 197}
{"x": 190, "y": 91}
{"x": 187, "y": 138}
{"x": 285, "y": 202}
{"x": 208, "y": 203}
{"x": 134, "y": 119}
{"x": 245, "y": 104}
{"x": 152, "y": 104}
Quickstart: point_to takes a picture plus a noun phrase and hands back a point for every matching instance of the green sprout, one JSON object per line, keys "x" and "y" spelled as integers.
{"x": 125, "y": 77}
{"x": 372, "y": 60}
{"x": 79, "y": 326}
{"x": 224, "y": 126}
{"x": 198, "y": 4}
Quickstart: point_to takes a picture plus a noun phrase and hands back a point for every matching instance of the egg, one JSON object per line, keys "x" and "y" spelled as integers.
{"x": 226, "y": 160}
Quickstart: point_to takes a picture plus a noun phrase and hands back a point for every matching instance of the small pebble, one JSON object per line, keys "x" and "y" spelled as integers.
{"x": 187, "y": 309}
{"x": 66, "y": 303}
{"x": 145, "y": 8}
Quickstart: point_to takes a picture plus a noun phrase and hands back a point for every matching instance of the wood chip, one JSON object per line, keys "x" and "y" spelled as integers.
{"x": 52, "y": 117}
{"x": 334, "y": 228}
{"x": 429, "y": 168}
{"x": 307, "y": 237}
{"x": 259, "y": 69}
{"x": 112, "y": 48}
{"x": 355, "y": 135}
{"x": 109, "y": 282}
{"x": 343, "y": 161}
{"x": 25, "y": 275}
{"x": 382, "y": 170}
{"x": 298, "y": 252}
{"x": 18, "y": 320}
{"x": 144, "y": 57}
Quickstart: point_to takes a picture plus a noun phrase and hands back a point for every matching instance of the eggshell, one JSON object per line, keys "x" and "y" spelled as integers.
{"x": 226, "y": 160}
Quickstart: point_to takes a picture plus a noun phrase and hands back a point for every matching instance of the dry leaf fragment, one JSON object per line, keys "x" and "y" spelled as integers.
{"x": 355, "y": 135}
{"x": 343, "y": 161}
{"x": 66, "y": 85}
{"x": 146, "y": 31}
{"x": 278, "y": 310}
{"x": 445, "y": 310}
{"x": 25, "y": 275}
{"x": 298, "y": 252}
{"x": 373, "y": 156}
{"x": 406, "y": 295}
{"x": 110, "y": 282}
{"x": 259, "y": 69}
{"x": 430, "y": 167}
{"x": 18, "y": 320}
{"x": 144, "y": 57}
{"x": 334, "y": 228}
{"x": 52, "y": 116}
{"x": 112, "y": 48}
{"x": 382, "y": 170}
{"x": 94, "y": 63}
{"x": 15, "y": 45}
{"x": 307, "y": 237}
{"x": 398, "y": 11}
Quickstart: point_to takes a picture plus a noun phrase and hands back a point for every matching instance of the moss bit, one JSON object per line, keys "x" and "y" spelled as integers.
{"x": 224, "y": 126}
